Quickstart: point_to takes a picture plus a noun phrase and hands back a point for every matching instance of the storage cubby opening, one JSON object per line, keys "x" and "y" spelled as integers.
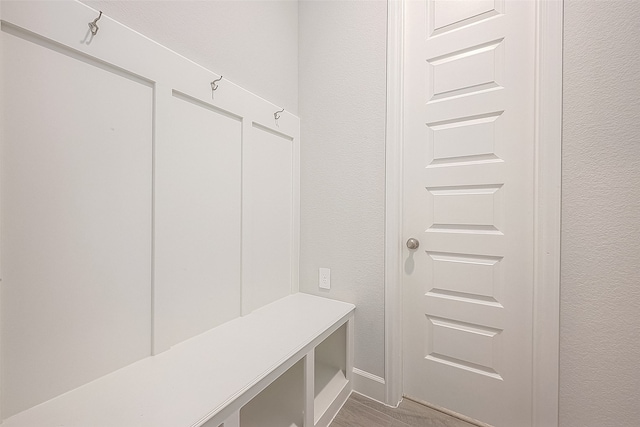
{"x": 281, "y": 404}
{"x": 330, "y": 370}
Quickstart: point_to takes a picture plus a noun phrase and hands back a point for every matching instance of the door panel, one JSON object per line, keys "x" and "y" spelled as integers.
{"x": 468, "y": 198}
{"x": 444, "y": 16}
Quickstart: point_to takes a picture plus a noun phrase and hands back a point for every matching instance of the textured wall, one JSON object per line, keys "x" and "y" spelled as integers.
{"x": 342, "y": 109}
{"x": 252, "y": 43}
{"x": 600, "y": 312}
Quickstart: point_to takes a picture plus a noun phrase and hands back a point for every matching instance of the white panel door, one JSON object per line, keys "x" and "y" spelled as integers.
{"x": 76, "y": 220}
{"x": 468, "y": 199}
{"x": 198, "y": 214}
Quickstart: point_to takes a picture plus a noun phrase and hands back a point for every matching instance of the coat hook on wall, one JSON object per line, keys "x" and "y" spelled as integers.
{"x": 214, "y": 84}
{"x": 93, "y": 26}
{"x": 276, "y": 115}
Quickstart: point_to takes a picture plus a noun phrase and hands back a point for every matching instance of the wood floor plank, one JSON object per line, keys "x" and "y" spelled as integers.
{"x": 437, "y": 418}
{"x": 354, "y": 414}
{"x": 363, "y": 412}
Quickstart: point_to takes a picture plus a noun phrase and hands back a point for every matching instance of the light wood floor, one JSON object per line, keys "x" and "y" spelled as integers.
{"x": 362, "y": 412}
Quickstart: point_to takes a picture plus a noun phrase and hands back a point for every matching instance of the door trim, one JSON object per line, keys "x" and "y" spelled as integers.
{"x": 547, "y": 204}
{"x": 393, "y": 203}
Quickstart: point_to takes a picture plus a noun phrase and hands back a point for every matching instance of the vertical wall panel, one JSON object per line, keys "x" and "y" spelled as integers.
{"x": 76, "y": 220}
{"x": 267, "y": 216}
{"x": 197, "y": 229}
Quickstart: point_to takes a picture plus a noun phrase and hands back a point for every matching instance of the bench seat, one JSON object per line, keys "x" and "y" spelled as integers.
{"x": 205, "y": 379}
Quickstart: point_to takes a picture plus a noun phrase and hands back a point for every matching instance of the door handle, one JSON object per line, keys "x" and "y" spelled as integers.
{"x": 413, "y": 243}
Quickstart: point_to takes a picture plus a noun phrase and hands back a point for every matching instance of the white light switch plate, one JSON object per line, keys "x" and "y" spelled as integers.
{"x": 324, "y": 278}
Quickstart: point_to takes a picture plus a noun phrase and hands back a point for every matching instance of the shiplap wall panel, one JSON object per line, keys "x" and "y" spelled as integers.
{"x": 198, "y": 220}
{"x": 76, "y": 220}
{"x": 151, "y": 200}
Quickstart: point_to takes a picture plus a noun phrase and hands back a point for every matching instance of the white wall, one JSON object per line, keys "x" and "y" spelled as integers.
{"x": 252, "y": 43}
{"x": 342, "y": 110}
{"x": 600, "y": 324}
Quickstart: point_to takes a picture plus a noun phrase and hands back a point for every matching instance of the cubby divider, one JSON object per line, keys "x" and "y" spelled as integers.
{"x": 330, "y": 371}
{"x": 281, "y": 404}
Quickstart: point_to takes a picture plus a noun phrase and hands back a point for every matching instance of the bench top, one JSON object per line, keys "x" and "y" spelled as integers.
{"x": 197, "y": 378}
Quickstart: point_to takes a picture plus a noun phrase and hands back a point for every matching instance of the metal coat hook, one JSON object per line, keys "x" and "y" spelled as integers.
{"x": 93, "y": 26}
{"x": 214, "y": 84}
{"x": 276, "y": 115}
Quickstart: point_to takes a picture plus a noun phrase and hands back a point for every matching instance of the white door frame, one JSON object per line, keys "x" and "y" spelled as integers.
{"x": 548, "y": 140}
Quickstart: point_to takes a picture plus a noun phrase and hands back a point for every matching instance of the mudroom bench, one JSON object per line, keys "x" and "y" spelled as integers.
{"x": 286, "y": 364}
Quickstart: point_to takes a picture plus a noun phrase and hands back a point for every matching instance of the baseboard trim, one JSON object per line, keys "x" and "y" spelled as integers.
{"x": 369, "y": 385}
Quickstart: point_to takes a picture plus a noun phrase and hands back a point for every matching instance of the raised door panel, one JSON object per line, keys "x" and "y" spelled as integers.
{"x": 449, "y": 74}
{"x": 447, "y": 15}
{"x": 76, "y": 220}
{"x": 464, "y": 346}
{"x": 470, "y": 277}
{"x": 198, "y": 214}
{"x": 268, "y": 216}
{"x": 464, "y": 140}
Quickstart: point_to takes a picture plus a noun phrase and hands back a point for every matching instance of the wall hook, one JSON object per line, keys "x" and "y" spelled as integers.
{"x": 93, "y": 26}
{"x": 276, "y": 115}
{"x": 214, "y": 84}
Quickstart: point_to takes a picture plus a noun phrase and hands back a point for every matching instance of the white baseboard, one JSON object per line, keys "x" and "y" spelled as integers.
{"x": 369, "y": 385}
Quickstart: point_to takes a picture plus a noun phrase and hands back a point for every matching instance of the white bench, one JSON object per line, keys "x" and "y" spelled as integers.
{"x": 300, "y": 344}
